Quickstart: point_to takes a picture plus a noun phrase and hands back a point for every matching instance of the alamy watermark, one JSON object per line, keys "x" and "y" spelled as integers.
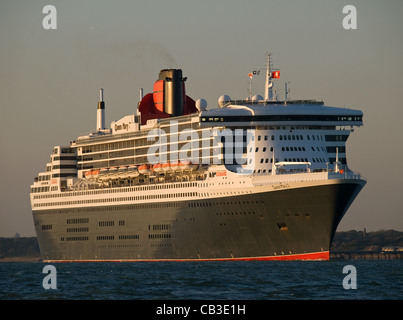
{"x": 350, "y": 20}
{"x": 50, "y": 280}
{"x": 49, "y": 22}
{"x": 350, "y": 280}
{"x": 203, "y": 146}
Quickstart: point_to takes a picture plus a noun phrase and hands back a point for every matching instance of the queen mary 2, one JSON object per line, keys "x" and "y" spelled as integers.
{"x": 254, "y": 179}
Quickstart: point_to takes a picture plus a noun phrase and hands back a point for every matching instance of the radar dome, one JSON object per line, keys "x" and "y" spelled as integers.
{"x": 223, "y": 100}
{"x": 201, "y": 104}
{"x": 257, "y": 97}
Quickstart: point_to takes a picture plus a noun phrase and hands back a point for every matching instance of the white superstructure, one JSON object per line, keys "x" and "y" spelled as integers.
{"x": 262, "y": 140}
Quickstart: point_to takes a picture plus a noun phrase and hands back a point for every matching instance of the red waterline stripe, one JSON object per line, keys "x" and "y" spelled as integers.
{"x": 305, "y": 256}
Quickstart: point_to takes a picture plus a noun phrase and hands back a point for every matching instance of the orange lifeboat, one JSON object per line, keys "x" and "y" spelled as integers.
{"x": 184, "y": 165}
{"x": 175, "y": 166}
{"x": 166, "y": 166}
{"x": 187, "y": 165}
{"x": 144, "y": 169}
{"x": 95, "y": 174}
{"x": 88, "y": 174}
{"x": 157, "y": 167}
{"x": 122, "y": 170}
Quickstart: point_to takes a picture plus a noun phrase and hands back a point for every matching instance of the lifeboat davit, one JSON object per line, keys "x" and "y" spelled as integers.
{"x": 122, "y": 170}
{"x": 144, "y": 169}
{"x": 133, "y": 171}
{"x": 103, "y": 173}
{"x": 112, "y": 172}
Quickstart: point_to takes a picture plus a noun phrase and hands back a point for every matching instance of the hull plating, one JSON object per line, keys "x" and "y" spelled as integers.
{"x": 291, "y": 224}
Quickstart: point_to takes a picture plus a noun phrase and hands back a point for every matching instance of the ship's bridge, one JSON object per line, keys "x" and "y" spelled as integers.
{"x": 275, "y": 113}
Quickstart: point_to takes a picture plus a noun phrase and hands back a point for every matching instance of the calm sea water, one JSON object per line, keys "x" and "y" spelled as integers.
{"x": 377, "y": 280}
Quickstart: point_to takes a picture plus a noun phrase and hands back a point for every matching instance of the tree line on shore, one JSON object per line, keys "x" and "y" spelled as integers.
{"x": 346, "y": 241}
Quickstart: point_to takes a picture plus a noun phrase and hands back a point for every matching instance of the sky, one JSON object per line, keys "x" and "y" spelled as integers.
{"x": 50, "y": 79}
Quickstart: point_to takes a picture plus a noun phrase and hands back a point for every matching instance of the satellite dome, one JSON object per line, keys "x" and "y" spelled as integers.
{"x": 223, "y": 100}
{"x": 201, "y": 104}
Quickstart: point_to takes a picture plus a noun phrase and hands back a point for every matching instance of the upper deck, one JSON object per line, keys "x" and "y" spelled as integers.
{"x": 275, "y": 113}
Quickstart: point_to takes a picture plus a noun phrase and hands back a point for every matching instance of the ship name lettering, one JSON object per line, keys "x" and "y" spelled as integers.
{"x": 122, "y": 126}
{"x": 281, "y": 186}
{"x": 221, "y": 173}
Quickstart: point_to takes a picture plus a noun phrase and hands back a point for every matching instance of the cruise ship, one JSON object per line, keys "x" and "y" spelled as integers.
{"x": 253, "y": 179}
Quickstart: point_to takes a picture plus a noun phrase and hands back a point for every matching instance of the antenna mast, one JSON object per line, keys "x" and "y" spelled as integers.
{"x": 268, "y": 91}
{"x": 287, "y": 91}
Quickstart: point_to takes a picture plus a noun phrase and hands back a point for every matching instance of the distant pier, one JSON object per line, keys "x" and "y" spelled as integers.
{"x": 366, "y": 255}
